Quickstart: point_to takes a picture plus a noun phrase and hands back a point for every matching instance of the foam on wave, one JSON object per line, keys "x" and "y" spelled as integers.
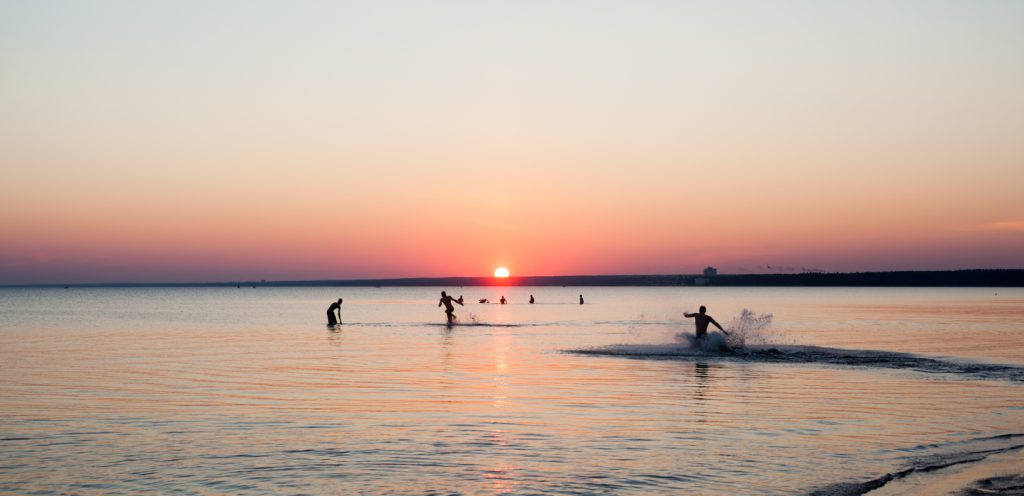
{"x": 749, "y": 341}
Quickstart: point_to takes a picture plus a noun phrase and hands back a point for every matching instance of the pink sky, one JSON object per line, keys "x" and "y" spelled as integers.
{"x": 143, "y": 143}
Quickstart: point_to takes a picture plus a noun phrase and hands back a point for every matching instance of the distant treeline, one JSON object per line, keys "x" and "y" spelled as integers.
{"x": 952, "y": 278}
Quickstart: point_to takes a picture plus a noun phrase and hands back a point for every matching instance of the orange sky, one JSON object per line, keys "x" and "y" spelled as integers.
{"x": 141, "y": 142}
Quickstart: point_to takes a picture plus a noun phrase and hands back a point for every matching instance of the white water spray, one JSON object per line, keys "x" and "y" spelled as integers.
{"x": 746, "y": 329}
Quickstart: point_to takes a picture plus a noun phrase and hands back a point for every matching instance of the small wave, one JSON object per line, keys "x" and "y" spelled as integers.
{"x": 929, "y": 464}
{"x": 813, "y": 355}
{"x": 636, "y": 322}
{"x": 1007, "y": 484}
{"x": 479, "y": 324}
{"x": 889, "y": 360}
{"x": 340, "y": 326}
{"x": 749, "y": 339}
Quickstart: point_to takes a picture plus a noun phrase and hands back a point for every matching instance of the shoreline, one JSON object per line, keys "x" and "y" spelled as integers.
{"x": 997, "y": 473}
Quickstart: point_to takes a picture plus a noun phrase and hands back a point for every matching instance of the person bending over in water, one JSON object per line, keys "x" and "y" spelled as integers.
{"x": 449, "y": 310}
{"x": 702, "y": 320}
{"x": 330, "y": 313}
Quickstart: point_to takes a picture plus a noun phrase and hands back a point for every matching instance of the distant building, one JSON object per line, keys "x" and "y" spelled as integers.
{"x": 701, "y": 281}
{"x": 710, "y": 272}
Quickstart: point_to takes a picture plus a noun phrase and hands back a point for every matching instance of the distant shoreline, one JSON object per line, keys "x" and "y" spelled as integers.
{"x": 950, "y": 278}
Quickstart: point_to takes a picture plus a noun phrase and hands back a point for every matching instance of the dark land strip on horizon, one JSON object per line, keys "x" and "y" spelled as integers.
{"x": 949, "y": 278}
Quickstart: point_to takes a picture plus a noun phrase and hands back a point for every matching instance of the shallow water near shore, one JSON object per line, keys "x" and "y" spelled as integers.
{"x": 246, "y": 390}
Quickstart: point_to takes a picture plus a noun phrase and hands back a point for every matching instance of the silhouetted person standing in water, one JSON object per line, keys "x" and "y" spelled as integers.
{"x": 701, "y": 320}
{"x": 581, "y": 299}
{"x": 330, "y": 313}
{"x": 531, "y": 299}
{"x": 503, "y": 300}
{"x": 449, "y": 310}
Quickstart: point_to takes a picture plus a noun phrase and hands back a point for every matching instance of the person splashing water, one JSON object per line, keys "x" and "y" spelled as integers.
{"x": 701, "y": 321}
{"x": 449, "y": 309}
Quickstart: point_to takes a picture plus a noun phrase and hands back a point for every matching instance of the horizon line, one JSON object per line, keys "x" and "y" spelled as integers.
{"x": 571, "y": 280}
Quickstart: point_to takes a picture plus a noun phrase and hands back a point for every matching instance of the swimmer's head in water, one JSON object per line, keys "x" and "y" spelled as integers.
{"x": 703, "y": 309}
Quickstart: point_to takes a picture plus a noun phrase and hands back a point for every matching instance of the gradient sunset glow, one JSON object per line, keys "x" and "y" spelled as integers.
{"x": 191, "y": 141}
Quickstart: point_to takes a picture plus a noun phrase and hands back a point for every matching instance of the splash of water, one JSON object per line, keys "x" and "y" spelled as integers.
{"x": 751, "y": 339}
{"x": 748, "y": 328}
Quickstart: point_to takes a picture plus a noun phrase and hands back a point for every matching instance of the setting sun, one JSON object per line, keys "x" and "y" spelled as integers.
{"x": 501, "y": 272}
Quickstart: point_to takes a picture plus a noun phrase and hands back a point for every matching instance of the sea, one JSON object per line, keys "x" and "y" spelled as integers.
{"x": 247, "y": 390}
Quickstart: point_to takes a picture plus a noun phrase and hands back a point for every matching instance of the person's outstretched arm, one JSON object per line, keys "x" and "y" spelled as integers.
{"x": 713, "y": 321}
{"x": 689, "y": 315}
{"x": 439, "y": 302}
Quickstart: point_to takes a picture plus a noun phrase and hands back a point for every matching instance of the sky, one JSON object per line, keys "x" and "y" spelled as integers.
{"x": 146, "y": 141}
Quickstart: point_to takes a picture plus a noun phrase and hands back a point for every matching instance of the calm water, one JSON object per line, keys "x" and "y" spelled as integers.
{"x": 247, "y": 391}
